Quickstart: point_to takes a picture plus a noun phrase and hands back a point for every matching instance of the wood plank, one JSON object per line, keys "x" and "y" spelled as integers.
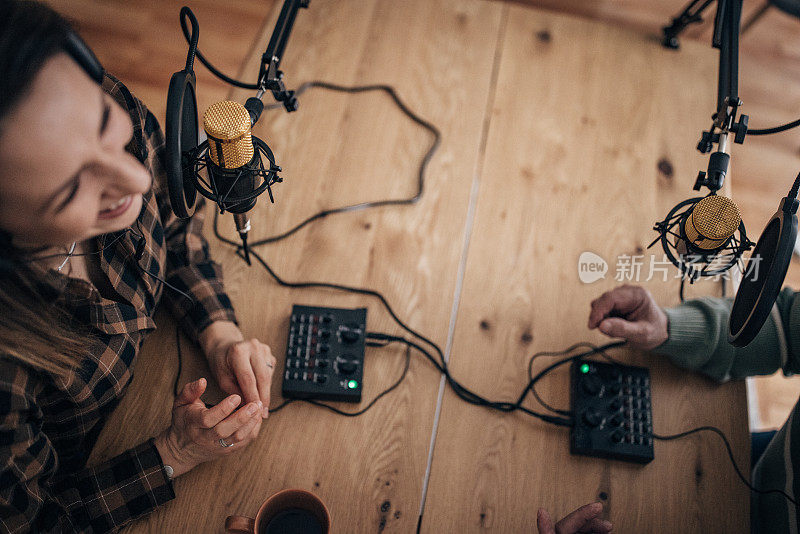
{"x": 121, "y": 33}
{"x": 582, "y": 117}
{"x": 141, "y": 43}
{"x": 768, "y": 73}
{"x": 335, "y": 150}
{"x": 648, "y": 16}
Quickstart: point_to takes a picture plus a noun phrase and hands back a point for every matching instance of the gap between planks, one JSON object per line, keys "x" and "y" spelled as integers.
{"x": 462, "y": 266}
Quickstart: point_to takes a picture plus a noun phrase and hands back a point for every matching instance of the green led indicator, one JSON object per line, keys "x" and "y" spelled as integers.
{"x": 585, "y": 368}
{"x": 353, "y": 384}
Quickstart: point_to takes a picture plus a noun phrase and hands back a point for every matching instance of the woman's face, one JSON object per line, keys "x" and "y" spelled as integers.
{"x": 64, "y": 173}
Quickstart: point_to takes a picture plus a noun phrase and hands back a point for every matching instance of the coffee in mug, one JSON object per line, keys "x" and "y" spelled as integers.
{"x": 291, "y": 511}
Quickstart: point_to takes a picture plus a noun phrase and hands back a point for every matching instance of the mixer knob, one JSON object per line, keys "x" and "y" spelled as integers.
{"x": 592, "y": 418}
{"x": 592, "y": 385}
{"x": 349, "y": 333}
{"x": 347, "y": 367}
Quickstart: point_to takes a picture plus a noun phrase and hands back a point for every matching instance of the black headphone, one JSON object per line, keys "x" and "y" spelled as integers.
{"x": 83, "y": 56}
{"x": 80, "y": 52}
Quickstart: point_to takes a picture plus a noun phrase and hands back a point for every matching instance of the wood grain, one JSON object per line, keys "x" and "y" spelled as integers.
{"x": 769, "y": 73}
{"x": 647, "y": 16}
{"x": 580, "y": 112}
{"x": 583, "y": 115}
{"x": 342, "y": 149}
{"x": 141, "y": 43}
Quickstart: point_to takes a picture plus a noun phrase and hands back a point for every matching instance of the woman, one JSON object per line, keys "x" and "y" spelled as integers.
{"x": 88, "y": 241}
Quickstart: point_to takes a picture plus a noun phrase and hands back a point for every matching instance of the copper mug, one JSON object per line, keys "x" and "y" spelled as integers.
{"x": 277, "y": 507}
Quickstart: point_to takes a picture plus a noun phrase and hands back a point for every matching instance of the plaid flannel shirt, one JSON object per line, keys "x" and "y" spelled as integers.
{"x": 48, "y": 425}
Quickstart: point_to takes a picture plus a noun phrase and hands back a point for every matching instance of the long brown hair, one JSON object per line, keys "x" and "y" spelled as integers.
{"x": 33, "y": 330}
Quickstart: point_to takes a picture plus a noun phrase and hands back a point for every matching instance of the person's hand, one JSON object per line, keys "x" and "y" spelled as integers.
{"x": 584, "y": 520}
{"x": 195, "y": 432}
{"x": 631, "y": 313}
{"x": 241, "y": 367}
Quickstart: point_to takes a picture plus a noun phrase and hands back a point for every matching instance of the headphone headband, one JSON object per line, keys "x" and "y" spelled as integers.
{"x": 83, "y": 56}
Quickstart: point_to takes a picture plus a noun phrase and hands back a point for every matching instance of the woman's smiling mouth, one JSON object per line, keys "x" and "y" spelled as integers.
{"x": 116, "y": 209}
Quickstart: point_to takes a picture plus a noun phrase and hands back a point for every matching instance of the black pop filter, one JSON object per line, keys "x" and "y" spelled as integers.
{"x": 181, "y": 138}
{"x": 181, "y": 130}
{"x": 765, "y": 272}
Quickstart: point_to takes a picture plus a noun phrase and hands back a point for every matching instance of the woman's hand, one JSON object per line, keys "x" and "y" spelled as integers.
{"x": 630, "y": 312}
{"x": 584, "y": 520}
{"x": 194, "y": 436}
{"x": 241, "y": 367}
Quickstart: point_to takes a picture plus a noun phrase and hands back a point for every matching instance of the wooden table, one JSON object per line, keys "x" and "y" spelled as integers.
{"x": 554, "y": 130}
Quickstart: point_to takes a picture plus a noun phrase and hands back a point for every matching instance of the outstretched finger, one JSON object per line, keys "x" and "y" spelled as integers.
{"x": 191, "y": 392}
{"x": 580, "y": 518}
{"x": 243, "y": 370}
{"x": 246, "y": 431}
{"x": 262, "y": 368}
{"x": 544, "y": 523}
{"x": 212, "y": 416}
{"x": 238, "y": 419}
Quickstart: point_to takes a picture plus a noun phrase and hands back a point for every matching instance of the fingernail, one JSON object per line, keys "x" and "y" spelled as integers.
{"x": 252, "y": 409}
{"x": 265, "y": 412}
{"x": 607, "y": 524}
{"x": 597, "y": 507}
{"x": 235, "y": 399}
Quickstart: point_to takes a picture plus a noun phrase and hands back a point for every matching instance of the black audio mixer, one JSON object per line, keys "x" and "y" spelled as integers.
{"x": 325, "y": 354}
{"x": 612, "y": 411}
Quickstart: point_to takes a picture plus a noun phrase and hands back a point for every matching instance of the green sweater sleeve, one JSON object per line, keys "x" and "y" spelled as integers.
{"x": 698, "y": 339}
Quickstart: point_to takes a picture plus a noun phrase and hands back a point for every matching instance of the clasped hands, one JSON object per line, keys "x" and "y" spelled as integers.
{"x": 244, "y": 370}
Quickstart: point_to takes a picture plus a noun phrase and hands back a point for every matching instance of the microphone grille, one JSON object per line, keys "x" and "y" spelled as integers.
{"x": 712, "y": 222}
{"x": 230, "y": 143}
